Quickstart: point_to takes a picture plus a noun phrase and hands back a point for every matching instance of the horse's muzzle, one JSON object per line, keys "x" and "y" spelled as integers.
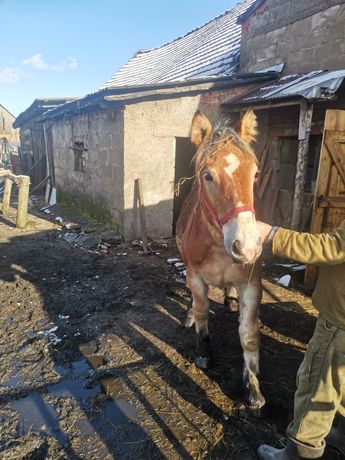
{"x": 244, "y": 255}
{"x": 242, "y": 241}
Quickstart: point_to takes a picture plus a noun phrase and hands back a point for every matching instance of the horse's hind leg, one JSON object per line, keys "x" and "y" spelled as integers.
{"x": 200, "y": 310}
{"x": 231, "y": 298}
{"x": 250, "y": 298}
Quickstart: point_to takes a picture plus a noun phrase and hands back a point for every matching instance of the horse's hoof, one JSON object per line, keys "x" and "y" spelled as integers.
{"x": 202, "y": 362}
{"x": 189, "y": 322}
{"x": 256, "y": 405}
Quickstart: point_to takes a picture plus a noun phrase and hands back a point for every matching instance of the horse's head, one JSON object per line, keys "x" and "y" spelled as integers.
{"x": 226, "y": 167}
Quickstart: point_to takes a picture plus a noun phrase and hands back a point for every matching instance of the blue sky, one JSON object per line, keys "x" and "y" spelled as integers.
{"x": 56, "y": 48}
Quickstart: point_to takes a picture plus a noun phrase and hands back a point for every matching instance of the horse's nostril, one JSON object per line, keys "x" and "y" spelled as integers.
{"x": 236, "y": 247}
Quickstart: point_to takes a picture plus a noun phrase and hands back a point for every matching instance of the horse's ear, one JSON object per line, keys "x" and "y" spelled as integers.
{"x": 201, "y": 128}
{"x": 247, "y": 127}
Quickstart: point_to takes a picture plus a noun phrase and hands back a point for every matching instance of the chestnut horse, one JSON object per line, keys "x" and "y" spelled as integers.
{"x": 218, "y": 238}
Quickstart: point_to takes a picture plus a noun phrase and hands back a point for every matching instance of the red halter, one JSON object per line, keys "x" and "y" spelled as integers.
{"x": 219, "y": 222}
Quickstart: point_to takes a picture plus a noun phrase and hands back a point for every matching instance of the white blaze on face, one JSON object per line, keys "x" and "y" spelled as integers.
{"x": 233, "y": 164}
{"x": 243, "y": 230}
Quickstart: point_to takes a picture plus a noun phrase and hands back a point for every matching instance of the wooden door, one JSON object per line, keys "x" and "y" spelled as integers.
{"x": 329, "y": 200}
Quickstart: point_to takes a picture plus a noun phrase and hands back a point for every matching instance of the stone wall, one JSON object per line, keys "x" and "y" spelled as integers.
{"x": 99, "y": 188}
{"x": 305, "y": 35}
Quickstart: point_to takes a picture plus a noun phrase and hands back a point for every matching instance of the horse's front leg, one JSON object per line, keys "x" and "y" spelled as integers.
{"x": 250, "y": 298}
{"x": 231, "y": 298}
{"x": 200, "y": 309}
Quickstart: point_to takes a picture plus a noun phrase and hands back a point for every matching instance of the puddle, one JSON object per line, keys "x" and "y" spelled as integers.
{"x": 117, "y": 413}
{"x": 73, "y": 388}
{"x": 113, "y": 387}
{"x": 35, "y": 415}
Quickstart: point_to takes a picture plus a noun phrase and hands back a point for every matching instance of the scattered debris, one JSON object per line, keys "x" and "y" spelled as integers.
{"x": 137, "y": 243}
{"x": 45, "y": 207}
{"x": 50, "y": 334}
{"x": 72, "y": 226}
{"x": 71, "y": 237}
{"x": 111, "y": 238}
{"x": 179, "y": 265}
{"x": 59, "y": 219}
{"x": 63, "y": 316}
{"x": 298, "y": 268}
{"x": 284, "y": 280}
{"x": 173, "y": 260}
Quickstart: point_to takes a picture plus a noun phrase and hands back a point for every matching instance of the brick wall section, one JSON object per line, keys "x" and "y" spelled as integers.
{"x": 306, "y": 35}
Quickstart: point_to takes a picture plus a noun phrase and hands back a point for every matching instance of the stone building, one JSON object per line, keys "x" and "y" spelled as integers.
{"x": 36, "y": 149}
{"x": 304, "y": 35}
{"x": 261, "y": 54}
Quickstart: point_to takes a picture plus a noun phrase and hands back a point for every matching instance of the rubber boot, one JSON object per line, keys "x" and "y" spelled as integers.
{"x": 294, "y": 450}
{"x": 336, "y": 437}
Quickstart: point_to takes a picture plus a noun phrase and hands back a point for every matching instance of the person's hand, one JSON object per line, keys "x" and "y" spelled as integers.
{"x": 264, "y": 229}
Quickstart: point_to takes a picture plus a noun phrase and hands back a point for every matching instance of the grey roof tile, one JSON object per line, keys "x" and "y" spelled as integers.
{"x": 210, "y": 50}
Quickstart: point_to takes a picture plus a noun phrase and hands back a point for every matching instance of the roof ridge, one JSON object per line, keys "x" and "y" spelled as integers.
{"x": 191, "y": 31}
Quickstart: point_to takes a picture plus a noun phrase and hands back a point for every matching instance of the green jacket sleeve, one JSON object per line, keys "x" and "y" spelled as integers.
{"x": 321, "y": 249}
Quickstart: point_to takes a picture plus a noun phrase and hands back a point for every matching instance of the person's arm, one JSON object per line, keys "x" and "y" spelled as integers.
{"x": 324, "y": 248}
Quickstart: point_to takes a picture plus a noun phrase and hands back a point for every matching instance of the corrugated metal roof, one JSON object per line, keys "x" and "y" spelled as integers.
{"x": 38, "y": 107}
{"x": 316, "y": 85}
{"x": 210, "y": 50}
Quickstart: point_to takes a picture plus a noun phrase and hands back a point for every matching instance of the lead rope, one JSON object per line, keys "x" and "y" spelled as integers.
{"x": 251, "y": 274}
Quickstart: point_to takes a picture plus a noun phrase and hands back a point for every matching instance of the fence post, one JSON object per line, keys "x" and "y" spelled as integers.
{"x": 7, "y": 197}
{"x": 23, "y": 183}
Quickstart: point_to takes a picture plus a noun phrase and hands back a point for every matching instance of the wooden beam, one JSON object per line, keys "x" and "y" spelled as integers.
{"x": 23, "y": 199}
{"x": 263, "y": 106}
{"x": 331, "y": 202}
{"x": 264, "y": 183}
{"x": 142, "y": 214}
{"x": 304, "y": 128}
{"x": 337, "y": 156}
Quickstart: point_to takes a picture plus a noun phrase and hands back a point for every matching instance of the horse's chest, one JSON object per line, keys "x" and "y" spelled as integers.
{"x": 220, "y": 272}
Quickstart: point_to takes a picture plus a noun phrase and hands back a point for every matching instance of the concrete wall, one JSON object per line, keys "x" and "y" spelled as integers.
{"x": 306, "y": 35}
{"x": 6, "y": 129}
{"x": 149, "y": 141}
{"x": 100, "y": 186}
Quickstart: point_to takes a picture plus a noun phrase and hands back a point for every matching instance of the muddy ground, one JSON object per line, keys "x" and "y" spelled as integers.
{"x": 95, "y": 362}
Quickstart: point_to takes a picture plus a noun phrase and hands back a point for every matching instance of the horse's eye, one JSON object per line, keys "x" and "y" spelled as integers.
{"x": 208, "y": 177}
{"x": 256, "y": 177}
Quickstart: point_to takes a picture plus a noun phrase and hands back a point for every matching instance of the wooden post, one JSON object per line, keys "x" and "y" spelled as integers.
{"x": 23, "y": 183}
{"x": 7, "y": 197}
{"x": 142, "y": 214}
{"x": 305, "y": 117}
